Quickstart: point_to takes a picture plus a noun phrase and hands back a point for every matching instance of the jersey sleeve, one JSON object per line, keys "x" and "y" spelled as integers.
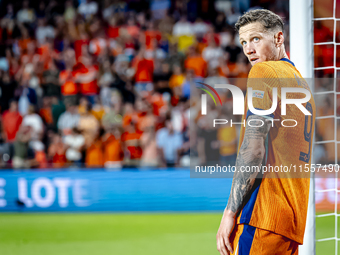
{"x": 262, "y": 79}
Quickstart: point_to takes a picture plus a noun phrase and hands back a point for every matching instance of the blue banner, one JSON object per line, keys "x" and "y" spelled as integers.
{"x": 119, "y": 191}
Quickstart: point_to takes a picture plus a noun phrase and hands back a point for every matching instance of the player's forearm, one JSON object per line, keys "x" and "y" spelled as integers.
{"x": 243, "y": 181}
{"x": 251, "y": 154}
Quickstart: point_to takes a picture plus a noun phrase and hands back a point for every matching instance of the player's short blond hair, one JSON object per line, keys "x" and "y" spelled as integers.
{"x": 269, "y": 20}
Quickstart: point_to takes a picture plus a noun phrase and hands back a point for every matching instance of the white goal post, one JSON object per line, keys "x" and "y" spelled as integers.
{"x": 302, "y": 54}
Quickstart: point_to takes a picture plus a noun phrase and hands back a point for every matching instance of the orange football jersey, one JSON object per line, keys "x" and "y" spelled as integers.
{"x": 280, "y": 199}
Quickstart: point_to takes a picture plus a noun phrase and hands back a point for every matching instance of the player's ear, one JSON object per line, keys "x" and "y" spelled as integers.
{"x": 279, "y": 39}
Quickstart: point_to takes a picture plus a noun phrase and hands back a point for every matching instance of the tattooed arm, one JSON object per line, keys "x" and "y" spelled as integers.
{"x": 251, "y": 154}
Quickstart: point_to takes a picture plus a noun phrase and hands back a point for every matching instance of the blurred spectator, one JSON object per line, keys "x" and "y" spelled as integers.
{"x": 112, "y": 118}
{"x": 215, "y": 78}
{"x": 11, "y": 122}
{"x": 184, "y": 151}
{"x": 113, "y": 148}
{"x": 241, "y": 70}
{"x": 40, "y": 155}
{"x": 50, "y": 81}
{"x": 132, "y": 144}
{"x": 43, "y": 31}
{"x": 211, "y": 54}
{"x": 68, "y": 120}
{"x": 220, "y": 21}
{"x": 7, "y": 86}
{"x": 169, "y": 142}
{"x": 35, "y": 122}
{"x": 175, "y": 57}
{"x": 161, "y": 78}
{"x": 200, "y": 28}
{"x": 57, "y": 150}
{"x": 46, "y": 112}
{"x": 184, "y": 32}
{"x": 98, "y": 45}
{"x": 112, "y": 30}
{"x": 177, "y": 79}
{"x": 21, "y": 148}
{"x": 148, "y": 139}
{"x": 88, "y": 8}
{"x": 159, "y": 8}
{"x": 227, "y": 138}
{"x": 108, "y": 10}
{"x": 69, "y": 88}
{"x": 26, "y": 14}
{"x": 98, "y": 109}
{"x": 233, "y": 50}
{"x": 26, "y": 96}
{"x": 208, "y": 144}
{"x": 88, "y": 125}
{"x": 9, "y": 12}
{"x": 94, "y": 153}
{"x": 152, "y": 36}
{"x": 4, "y": 65}
{"x": 196, "y": 62}
{"x": 188, "y": 83}
{"x": 70, "y": 12}
{"x": 144, "y": 72}
{"x": 57, "y": 109}
{"x": 74, "y": 143}
{"x": 182, "y": 27}
{"x": 132, "y": 28}
{"x": 41, "y": 12}
{"x": 86, "y": 76}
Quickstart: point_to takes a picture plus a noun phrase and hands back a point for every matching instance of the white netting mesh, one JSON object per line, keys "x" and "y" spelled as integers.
{"x": 330, "y": 93}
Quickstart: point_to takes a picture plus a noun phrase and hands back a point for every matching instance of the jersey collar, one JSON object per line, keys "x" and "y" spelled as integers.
{"x": 287, "y": 60}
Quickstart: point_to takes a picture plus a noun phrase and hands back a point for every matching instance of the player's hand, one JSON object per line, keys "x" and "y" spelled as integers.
{"x": 224, "y": 232}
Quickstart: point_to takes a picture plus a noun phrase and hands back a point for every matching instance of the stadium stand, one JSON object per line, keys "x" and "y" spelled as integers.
{"x": 95, "y": 84}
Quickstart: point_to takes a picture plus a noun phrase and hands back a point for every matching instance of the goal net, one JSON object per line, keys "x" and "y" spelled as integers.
{"x": 315, "y": 49}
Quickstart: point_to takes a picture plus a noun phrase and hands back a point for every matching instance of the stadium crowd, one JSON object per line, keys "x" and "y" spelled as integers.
{"x": 108, "y": 83}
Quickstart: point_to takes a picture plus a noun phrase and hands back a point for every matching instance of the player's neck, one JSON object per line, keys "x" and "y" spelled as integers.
{"x": 283, "y": 54}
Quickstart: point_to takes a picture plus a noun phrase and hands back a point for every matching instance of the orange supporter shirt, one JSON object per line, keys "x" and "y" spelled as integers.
{"x": 198, "y": 64}
{"x": 176, "y": 80}
{"x": 78, "y": 45}
{"x": 46, "y": 55}
{"x": 280, "y": 199}
{"x": 113, "y": 151}
{"x": 23, "y": 43}
{"x": 132, "y": 142}
{"x": 11, "y": 122}
{"x": 68, "y": 87}
{"x": 59, "y": 160}
{"x": 157, "y": 102}
{"x": 94, "y": 155}
{"x": 87, "y": 79}
{"x": 152, "y": 35}
{"x": 40, "y": 157}
{"x": 144, "y": 71}
{"x": 112, "y": 32}
{"x": 136, "y": 117}
{"x": 46, "y": 115}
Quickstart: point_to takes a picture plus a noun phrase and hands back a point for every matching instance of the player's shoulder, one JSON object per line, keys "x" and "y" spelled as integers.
{"x": 265, "y": 69}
